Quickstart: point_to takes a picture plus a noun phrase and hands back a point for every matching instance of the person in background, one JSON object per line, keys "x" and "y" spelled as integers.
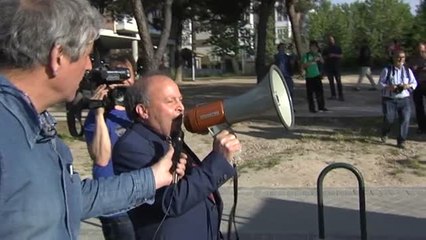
{"x": 45, "y": 50}
{"x": 105, "y": 123}
{"x": 332, "y": 56}
{"x": 392, "y": 48}
{"x": 364, "y": 60}
{"x": 397, "y": 82}
{"x": 314, "y": 88}
{"x": 285, "y": 63}
{"x": 418, "y": 65}
{"x": 192, "y": 208}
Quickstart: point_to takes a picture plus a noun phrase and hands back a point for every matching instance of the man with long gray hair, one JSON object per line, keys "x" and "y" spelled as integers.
{"x": 44, "y": 53}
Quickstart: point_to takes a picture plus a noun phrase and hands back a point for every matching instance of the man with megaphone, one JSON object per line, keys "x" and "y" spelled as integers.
{"x": 191, "y": 208}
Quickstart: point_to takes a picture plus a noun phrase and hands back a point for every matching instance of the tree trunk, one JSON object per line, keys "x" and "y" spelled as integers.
{"x": 294, "y": 18}
{"x": 151, "y": 60}
{"x": 193, "y": 49}
{"x": 165, "y": 32}
{"x": 235, "y": 65}
{"x": 177, "y": 28}
{"x": 266, "y": 8}
{"x": 146, "y": 47}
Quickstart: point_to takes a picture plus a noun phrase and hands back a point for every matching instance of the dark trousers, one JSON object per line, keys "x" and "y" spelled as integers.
{"x": 117, "y": 228}
{"x": 290, "y": 85}
{"x": 334, "y": 74}
{"x": 418, "y": 94}
{"x": 392, "y": 107}
{"x": 314, "y": 87}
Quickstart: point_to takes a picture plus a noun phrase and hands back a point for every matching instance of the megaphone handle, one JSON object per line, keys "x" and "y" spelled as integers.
{"x": 213, "y": 130}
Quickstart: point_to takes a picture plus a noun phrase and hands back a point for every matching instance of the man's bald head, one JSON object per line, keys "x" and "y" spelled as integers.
{"x": 149, "y": 86}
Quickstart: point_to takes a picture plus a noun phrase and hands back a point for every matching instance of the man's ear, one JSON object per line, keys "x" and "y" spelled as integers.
{"x": 142, "y": 111}
{"x": 56, "y": 60}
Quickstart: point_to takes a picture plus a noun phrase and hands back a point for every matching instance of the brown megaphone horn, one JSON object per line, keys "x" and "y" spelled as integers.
{"x": 270, "y": 98}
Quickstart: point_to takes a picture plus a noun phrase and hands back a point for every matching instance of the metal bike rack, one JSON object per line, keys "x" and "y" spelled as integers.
{"x": 361, "y": 189}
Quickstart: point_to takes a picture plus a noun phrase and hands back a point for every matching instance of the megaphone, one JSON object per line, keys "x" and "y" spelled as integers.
{"x": 270, "y": 96}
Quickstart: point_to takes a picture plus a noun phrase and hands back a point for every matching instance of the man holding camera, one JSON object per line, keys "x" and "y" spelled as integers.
{"x": 106, "y": 122}
{"x": 397, "y": 82}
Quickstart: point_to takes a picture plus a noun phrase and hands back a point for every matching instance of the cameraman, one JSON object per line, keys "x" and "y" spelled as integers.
{"x": 105, "y": 123}
{"x": 397, "y": 82}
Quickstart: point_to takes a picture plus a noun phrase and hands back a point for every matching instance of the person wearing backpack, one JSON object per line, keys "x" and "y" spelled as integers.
{"x": 397, "y": 83}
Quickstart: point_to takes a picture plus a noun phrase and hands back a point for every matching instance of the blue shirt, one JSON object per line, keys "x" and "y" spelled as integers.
{"x": 41, "y": 196}
{"x": 397, "y": 76}
{"x": 117, "y": 122}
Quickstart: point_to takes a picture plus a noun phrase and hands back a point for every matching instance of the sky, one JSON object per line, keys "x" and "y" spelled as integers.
{"x": 413, "y": 3}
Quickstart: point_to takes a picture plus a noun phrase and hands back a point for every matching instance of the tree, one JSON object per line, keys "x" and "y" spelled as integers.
{"x": 368, "y": 21}
{"x": 151, "y": 58}
{"x": 230, "y": 40}
{"x": 296, "y": 10}
{"x": 207, "y": 15}
{"x": 418, "y": 31}
{"x": 264, "y": 10}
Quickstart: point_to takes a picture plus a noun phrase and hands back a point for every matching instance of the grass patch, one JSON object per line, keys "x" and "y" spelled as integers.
{"x": 396, "y": 172}
{"x": 411, "y": 164}
{"x": 63, "y": 133}
{"x": 260, "y": 164}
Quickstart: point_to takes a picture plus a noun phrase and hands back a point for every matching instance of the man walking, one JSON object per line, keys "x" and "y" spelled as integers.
{"x": 364, "y": 60}
{"x": 397, "y": 82}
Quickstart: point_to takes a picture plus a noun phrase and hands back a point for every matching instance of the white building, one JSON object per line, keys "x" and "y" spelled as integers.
{"x": 204, "y": 54}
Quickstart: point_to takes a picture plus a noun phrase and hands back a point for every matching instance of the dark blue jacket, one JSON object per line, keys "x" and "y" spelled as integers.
{"x": 192, "y": 214}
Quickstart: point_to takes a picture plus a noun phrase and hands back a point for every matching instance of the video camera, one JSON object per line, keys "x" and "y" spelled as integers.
{"x": 398, "y": 89}
{"x": 103, "y": 74}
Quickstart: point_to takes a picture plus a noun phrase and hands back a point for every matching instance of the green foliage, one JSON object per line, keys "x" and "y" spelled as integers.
{"x": 376, "y": 21}
{"x": 228, "y": 40}
{"x": 228, "y": 11}
{"x": 418, "y": 32}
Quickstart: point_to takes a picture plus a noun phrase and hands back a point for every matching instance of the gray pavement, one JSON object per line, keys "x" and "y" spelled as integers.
{"x": 291, "y": 213}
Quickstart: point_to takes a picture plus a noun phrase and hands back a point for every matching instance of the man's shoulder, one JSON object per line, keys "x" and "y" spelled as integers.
{"x": 131, "y": 136}
{"x": 137, "y": 136}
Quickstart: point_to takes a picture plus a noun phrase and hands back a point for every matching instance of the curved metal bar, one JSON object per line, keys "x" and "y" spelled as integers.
{"x": 361, "y": 189}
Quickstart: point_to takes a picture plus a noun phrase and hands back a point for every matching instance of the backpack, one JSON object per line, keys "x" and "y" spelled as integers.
{"x": 389, "y": 69}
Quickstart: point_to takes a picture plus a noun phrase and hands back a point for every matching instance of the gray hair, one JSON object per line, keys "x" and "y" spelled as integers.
{"x": 29, "y": 29}
{"x": 135, "y": 94}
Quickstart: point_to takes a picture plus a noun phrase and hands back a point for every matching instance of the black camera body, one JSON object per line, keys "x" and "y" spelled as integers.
{"x": 399, "y": 89}
{"x": 104, "y": 75}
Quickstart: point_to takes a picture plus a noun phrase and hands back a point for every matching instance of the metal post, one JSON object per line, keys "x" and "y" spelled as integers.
{"x": 361, "y": 189}
{"x": 193, "y": 48}
{"x": 135, "y": 49}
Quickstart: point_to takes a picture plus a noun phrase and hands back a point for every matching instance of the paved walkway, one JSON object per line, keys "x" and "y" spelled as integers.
{"x": 291, "y": 213}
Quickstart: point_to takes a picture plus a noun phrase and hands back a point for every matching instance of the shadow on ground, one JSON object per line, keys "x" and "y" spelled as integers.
{"x": 284, "y": 219}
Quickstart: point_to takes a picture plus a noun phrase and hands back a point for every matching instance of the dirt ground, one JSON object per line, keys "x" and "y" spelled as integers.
{"x": 275, "y": 157}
